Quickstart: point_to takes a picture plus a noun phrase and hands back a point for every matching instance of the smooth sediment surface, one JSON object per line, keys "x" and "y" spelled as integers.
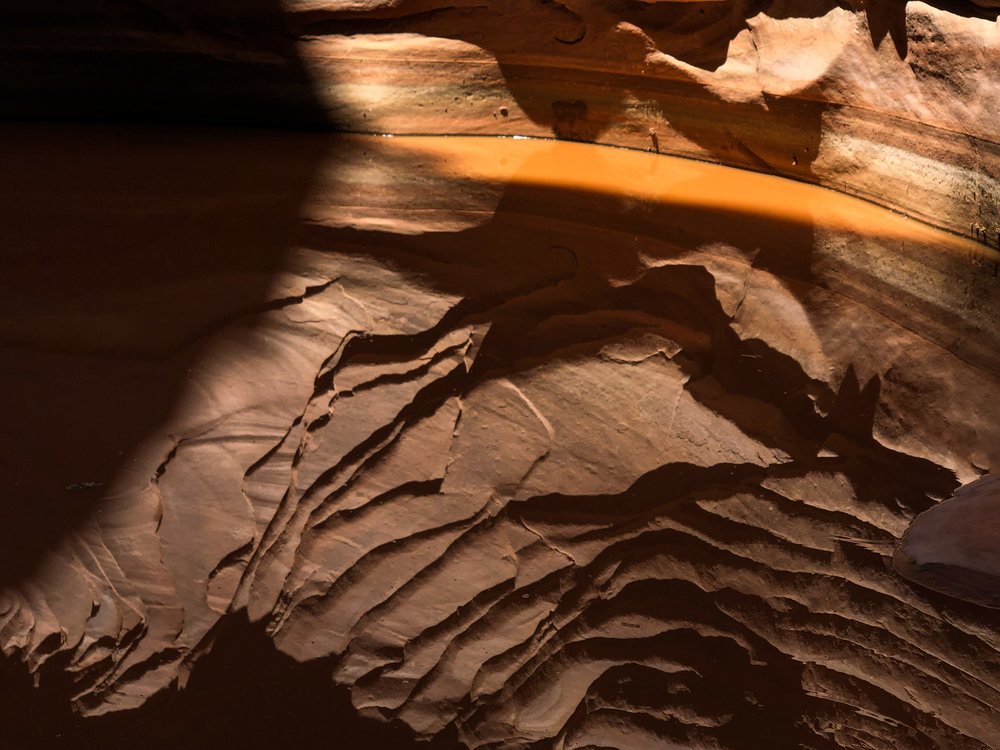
{"x": 499, "y": 441}
{"x": 952, "y": 548}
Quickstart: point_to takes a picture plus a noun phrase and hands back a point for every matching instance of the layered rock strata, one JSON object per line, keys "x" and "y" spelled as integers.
{"x": 893, "y": 102}
{"x": 524, "y": 445}
{"x": 612, "y": 461}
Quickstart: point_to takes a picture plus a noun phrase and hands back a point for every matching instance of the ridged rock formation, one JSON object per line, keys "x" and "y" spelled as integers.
{"x": 518, "y": 443}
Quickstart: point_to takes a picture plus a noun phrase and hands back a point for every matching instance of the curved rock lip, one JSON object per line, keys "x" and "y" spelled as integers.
{"x": 951, "y": 580}
{"x": 890, "y": 102}
{"x": 952, "y": 548}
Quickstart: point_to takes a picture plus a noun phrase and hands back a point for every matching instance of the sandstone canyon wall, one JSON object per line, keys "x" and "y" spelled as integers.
{"x": 505, "y": 443}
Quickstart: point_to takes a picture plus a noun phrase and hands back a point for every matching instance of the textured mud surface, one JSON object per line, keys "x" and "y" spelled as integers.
{"x": 500, "y": 461}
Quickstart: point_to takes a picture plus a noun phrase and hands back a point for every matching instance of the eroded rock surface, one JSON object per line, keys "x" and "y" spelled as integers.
{"x": 519, "y": 463}
{"x": 520, "y": 450}
{"x": 892, "y": 101}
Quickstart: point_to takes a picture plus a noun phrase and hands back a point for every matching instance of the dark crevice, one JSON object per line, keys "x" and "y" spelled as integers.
{"x": 243, "y": 693}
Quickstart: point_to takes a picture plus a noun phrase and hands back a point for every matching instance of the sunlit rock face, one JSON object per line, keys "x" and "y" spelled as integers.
{"x": 893, "y": 102}
{"x": 516, "y": 444}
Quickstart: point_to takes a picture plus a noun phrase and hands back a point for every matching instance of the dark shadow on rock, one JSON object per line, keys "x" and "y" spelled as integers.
{"x": 155, "y": 61}
{"x": 140, "y": 215}
{"x": 242, "y": 690}
{"x": 102, "y": 371}
{"x": 887, "y": 19}
{"x": 243, "y": 693}
{"x": 582, "y": 103}
{"x": 124, "y": 250}
{"x": 545, "y": 298}
{"x": 584, "y": 99}
{"x": 854, "y": 407}
{"x": 698, "y": 33}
